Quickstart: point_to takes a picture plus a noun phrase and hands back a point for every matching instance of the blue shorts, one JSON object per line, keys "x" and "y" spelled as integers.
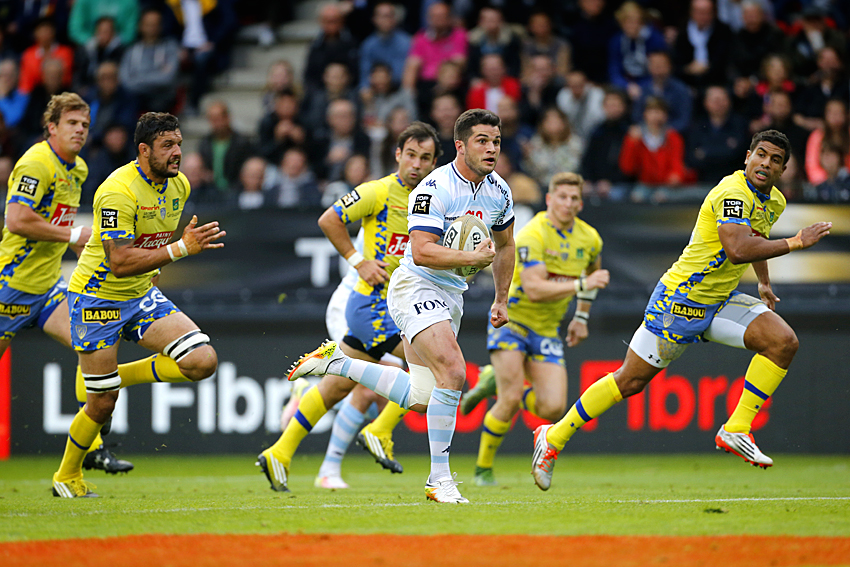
{"x": 19, "y": 310}
{"x": 537, "y": 348}
{"x": 97, "y": 324}
{"x": 370, "y": 327}
{"x": 675, "y": 318}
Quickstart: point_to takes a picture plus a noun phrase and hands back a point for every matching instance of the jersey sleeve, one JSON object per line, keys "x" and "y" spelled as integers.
{"x": 28, "y": 183}
{"x": 115, "y": 212}
{"x": 358, "y": 203}
{"x": 731, "y": 204}
{"x": 529, "y": 248}
{"x": 596, "y": 250}
{"x": 426, "y": 209}
{"x": 506, "y": 215}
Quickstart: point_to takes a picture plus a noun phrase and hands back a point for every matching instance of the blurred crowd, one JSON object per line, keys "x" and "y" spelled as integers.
{"x": 652, "y": 101}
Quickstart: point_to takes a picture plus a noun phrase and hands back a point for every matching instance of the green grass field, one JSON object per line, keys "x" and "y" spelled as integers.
{"x": 618, "y": 495}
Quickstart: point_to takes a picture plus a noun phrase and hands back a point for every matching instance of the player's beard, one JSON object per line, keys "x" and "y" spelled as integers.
{"x": 480, "y": 168}
{"x": 160, "y": 169}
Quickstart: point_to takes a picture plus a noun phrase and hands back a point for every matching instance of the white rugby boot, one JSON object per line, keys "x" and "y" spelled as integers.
{"x": 743, "y": 445}
{"x": 316, "y": 363}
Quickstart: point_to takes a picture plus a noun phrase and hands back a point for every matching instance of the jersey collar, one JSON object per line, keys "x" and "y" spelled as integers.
{"x": 66, "y": 164}
{"x": 466, "y": 181}
{"x": 400, "y": 182}
{"x": 762, "y": 197}
{"x": 156, "y": 186}
{"x": 556, "y": 229}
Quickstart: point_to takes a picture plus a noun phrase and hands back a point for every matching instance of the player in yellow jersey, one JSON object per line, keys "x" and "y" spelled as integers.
{"x": 382, "y": 207}
{"x": 558, "y": 258}
{"x": 41, "y": 208}
{"x": 111, "y": 295}
{"x": 696, "y": 300}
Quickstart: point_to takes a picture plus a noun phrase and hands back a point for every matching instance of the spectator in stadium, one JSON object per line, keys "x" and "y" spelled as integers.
{"x": 280, "y": 78}
{"x": 654, "y": 154}
{"x": 86, "y": 15}
{"x": 223, "y": 149}
{"x": 45, "y": 47}
{"x": 542, "y": 40}
{"x": 355, "y": 172}
{"x": 581, "y": 101}
{"x": 494, "y": 84}
{"x": 30, "y": 126}
{"x": 775, "y": 76}
{"x": 811, "y": 36}
{"x": 716, "y": 142}
{"x": 29, "y": 14}
{"x": 629, "y": 48}
{"x": 336, "y": 85}
{"x": 601, "y": 161}
{"x": 702, "y": 47}
{"x": 110, "y": 104}
{"x": 115, "y": 150}
{"x": 540, "y": 88}
{"x": 333, "y": 45}
{"x": 382, "y": 96}
{"x": 733, "y": 13}
{"x": 494, "y": 36}
{"x": 295, "y": 185}
{"x": 382, "y": 154}
{"x": 755, "y": 40}
{"x": 8, "y": 147}
{"x": 389, "y": 45}
{"x": 250, "y": 189}
{"x": 201, "y": 180}
{"x": 553, "y": 148}
{"x": 6, "y": 166}
{"x": 591, "y": 35}
{"x": 835, "y": 188}
{"x": 13, "y": 101}
{"x": 444, "y": 113}
{"x": 6, "y": 50}
{"x": 660, "y": 83}
{"x": 835, "y": 132}
{"x": 342, "y": 138}
{"x": 524, "y": 189}
{"x": 777, "y": 116}
{"x": 281, "y": 129}
{"x": 450, "y": 80}
{"x": 515, "y": 133}
{"x": 149, "y": 67}
{"x": 440, "y": 41}
{"x": 828, "y": 82}
{"x": 791, "y": 182}
{"x": 103, "y": 46}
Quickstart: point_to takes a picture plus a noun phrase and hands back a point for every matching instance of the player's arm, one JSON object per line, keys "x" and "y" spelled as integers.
{"x": 742, "y": 248}
{"x": 503, "y": 269}
{"x": 594, "y": 274}
{"x": 23, "y": 221}
{"x": 426, "y": 251}
{"x": 125, "y": 260}
{"x": 539, "y": 288}
{"x": 765, "y": 291}
{"x": 373, "y": 272}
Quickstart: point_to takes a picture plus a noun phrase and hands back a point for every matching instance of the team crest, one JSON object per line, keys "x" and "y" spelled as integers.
{"x": 667, "y": 319}
{"x": 162, "y": 213}
{"x": 523, "y": 254}
{"x": 81, "y": 331}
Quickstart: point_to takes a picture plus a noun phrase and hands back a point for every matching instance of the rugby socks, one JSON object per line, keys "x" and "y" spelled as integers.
{"x": 761, "y": 380}
{"x": 81, "y": 436}
{"x": 346, "y": 424}
{"x": 156, "y": 368}
{"x": 441, "y": 415}
{"x": 309, "y": 412}
{"x": 80, "y": 390}
{"x": 528, "y": 400}
{"x": 390, "y": 382}
{"x": 595, "y": 401}
{"x": 492, "y": 433}
{"x": 385, "y": 423}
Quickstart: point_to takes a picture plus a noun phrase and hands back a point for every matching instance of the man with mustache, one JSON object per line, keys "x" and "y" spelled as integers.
{"x": 112, "y": 295}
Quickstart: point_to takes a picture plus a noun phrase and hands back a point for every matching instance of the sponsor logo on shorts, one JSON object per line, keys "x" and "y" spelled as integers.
{"x": 64, "y": 215}
{"x": 348, "y": 199}
{"x": 398, "y": 244}
{"x": 688, "y": 312}
{"x": 108, "y": 218}
{"x": 101, "y": 315}
{"x": 27, "y": 185}
{"x": 422, "y": 205}
{"x": 155, "y": 240}
{"x": 733, "y": 208}
{"x": 429, "y": 305}
{"x": 12, "y": 310}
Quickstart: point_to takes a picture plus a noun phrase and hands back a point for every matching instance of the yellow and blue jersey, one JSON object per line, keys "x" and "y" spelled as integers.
{"x": 566, "y": 254}
{"x": 128, "y": 206}
{"x": 382, "y": 206}
{"x": 50, "y": 186}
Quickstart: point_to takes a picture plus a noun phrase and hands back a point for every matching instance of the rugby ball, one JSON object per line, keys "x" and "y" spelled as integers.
{"x": 465, "y": 233}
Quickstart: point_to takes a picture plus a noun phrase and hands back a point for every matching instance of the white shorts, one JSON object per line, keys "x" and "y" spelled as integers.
{"x": 335, "y": 314}
{"x": 415, "y": 304}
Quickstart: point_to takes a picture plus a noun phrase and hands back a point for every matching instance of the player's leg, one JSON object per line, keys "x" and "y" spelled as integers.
{"x": 548, "y": 388}
{"x": 349, "y": 419}
{"x": 509, "y": 369}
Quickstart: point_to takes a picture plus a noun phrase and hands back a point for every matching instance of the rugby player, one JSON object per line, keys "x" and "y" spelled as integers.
{"x": 696, "y": 300}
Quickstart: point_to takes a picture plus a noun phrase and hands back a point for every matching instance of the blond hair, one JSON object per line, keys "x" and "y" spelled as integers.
{"x": 60, "y": 104}
{"x": 627, "y": 9}
{"x": 566, "y": 178}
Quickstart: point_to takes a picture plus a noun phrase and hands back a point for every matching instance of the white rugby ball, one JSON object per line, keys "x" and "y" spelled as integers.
{"x": 465, "y": 233}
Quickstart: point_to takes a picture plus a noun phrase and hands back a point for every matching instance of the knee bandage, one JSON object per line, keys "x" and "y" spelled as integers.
{"x": 422, "y": 382}
{"x": 182, "y": 346}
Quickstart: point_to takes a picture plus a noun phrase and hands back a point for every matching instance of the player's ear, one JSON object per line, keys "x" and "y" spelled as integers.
{"x": 747, "y": 159}
{"x": 398, "y": 155}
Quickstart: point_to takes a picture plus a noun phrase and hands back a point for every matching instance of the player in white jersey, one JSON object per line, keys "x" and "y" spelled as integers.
{"x": 425, "y": 295}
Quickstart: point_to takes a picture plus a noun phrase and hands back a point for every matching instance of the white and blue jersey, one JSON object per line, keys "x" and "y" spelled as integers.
{"x": 444, "y": 196}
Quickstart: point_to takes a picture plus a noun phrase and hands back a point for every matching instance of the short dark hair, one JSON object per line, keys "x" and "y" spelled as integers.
{"x": 420, "y": 131}
{"x": 152, "y": 125}
{"x": 776, "y": 138}
{"x": 657, "y": 103}
{"x": 473, "y": 117}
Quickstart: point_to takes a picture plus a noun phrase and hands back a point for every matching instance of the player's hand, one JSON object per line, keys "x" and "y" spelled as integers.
{"x": 200, "y": 238}
{"x": 499, "y": 314}
{"x": 598, "y": 279}
{"x": 811, "y": 235}
{"x": 767, "y": 295}
{"x": 576, "y": 332}
{"x": 373, "y": 272}
{"x": 483, "y": 254}
{"x": 85, "y": 234}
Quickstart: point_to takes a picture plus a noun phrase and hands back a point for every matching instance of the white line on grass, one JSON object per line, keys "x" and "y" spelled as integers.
{"x": 698, "y": 500}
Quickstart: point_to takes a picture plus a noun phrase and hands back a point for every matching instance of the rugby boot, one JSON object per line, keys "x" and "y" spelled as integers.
{"x": 102, "y": 459}
{"x": 743, "y": 445}
{"x": 543, "y": 460}
{"x": 444, "y": 491}
{"x": 74, "y": 488}
{"x": 316, "y": 362}
{"x": 274, "y": 470}
{"x": 484, "y": 477}
{"x": 381, "y": 448}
